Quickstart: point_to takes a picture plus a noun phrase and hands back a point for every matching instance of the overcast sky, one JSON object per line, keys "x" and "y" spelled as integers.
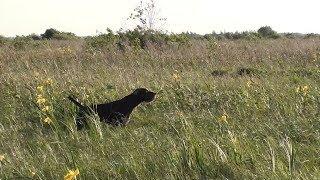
{"x": 87, "y": 17}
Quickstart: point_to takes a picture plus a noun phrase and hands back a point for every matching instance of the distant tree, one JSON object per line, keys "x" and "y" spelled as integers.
{"x": 148, "y": 15}
{"x": 55, "y": 34}
{"x": 268, "y": 32}
{"x": 49, "y": 33}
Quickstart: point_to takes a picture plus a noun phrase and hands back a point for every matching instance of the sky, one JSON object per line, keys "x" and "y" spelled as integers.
{"x": 90, "y": 17}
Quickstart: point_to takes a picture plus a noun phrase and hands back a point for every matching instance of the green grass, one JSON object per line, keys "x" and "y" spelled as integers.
{"x": 271, "y": 129}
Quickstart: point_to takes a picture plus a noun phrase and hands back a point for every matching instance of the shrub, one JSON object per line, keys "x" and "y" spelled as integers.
{"x": 214, "y": 35}
{"x": 3, "y": 40}
{"x": 49, "y": 33}
{"x": 192, "y": 35}
{"x": 233, "y": 35}
{"x": 268, "y": 32}
{"x": 292, "y": 35}
{"x": 21, "y": 42}
{"x": 141, "y": 39}
{"x": 181, "y": 39}
{"x": 312, "y": 35}
{"x": 55, "y": 34}
{"x": 250, "y": 35}
{"x": 102, "y": 40}
{"x": 34, "y": 37}
{"x": 134, "y": 37}
{"x": 156, "y": 38}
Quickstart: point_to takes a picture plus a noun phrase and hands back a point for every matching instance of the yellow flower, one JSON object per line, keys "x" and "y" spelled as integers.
{"x": 71, "y": 174}
{"x": 176, "y": 77}
{"x": 179, "y": 113}
{"x": 46, "y": 109}
{"x": 305, "y": 89}
{"x": 68, "y": 50}
{"x": 49, "y": 81}
{"x": 249, "y": 83}
{"x": 32, "y": 172}
{"x": 41, "y": 100}
{"x": 40, "y": 88}
{"x": 47, "y": 120}
{"x": 223, "y": 118}
{"x": 85, "y": 96}
{"x": 1, "y": 157}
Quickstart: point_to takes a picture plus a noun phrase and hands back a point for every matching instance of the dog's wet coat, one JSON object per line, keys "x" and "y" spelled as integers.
{"x": 116, "y": 112}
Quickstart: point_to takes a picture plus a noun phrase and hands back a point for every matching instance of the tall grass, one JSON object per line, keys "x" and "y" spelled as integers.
{"x": 263, "y": 125}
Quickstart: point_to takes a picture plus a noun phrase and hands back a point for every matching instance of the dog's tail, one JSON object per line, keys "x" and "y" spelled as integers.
{"x": 80, "y": 118}
{"x": 72, "y": 99}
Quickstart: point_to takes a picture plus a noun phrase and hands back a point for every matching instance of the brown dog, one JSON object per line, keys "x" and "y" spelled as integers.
{"x": 115, "y": 113}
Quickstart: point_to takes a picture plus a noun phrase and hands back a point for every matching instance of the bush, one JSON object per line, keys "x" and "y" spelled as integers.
{"x": 181, "y": 39}
{"x": 102, "y": 40}
{"x": 141, "y": 39}
{"x": 49, "y": 33}
{"x": 250, "y": 35}
{"x": 268, "y": 32}
{"x": 34, "y": 37}
{"x": 312, "y": 35}
{"x": 21, "y": 42}
{"x": 3, "y": 40}
{"x": 157, "y": 38}
{"x": 135, "y": 38}
{"x": 292, "y": 35}
{"x": 234, "y": 35}
{"x": 55, "y": 34}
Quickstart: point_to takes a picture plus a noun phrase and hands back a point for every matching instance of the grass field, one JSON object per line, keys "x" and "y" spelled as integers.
{"x": 208, "y": 121}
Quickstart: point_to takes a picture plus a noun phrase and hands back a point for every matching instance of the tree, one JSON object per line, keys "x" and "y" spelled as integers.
{"x": 59, "y": 35}
{"x": 268, "y": 32}
{"x": 148, "y": 16}
{"x": 49, "y": 33}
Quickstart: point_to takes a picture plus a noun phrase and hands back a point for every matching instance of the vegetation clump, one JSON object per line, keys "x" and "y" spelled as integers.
{"x": 58, "y": 35}
{"x": 268, "y": 32}
{"x": 3, "y": 40}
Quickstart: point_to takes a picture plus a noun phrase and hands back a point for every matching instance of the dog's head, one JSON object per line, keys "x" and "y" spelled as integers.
{"x": 144, "y": 95}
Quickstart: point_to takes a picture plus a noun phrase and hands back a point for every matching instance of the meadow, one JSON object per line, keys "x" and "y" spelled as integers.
{"x": 225, "y": 109}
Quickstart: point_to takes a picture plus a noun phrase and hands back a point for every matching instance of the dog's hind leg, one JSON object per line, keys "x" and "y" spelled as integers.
{"x": 82, "y": 113}
{"x": 81, "y": 121}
